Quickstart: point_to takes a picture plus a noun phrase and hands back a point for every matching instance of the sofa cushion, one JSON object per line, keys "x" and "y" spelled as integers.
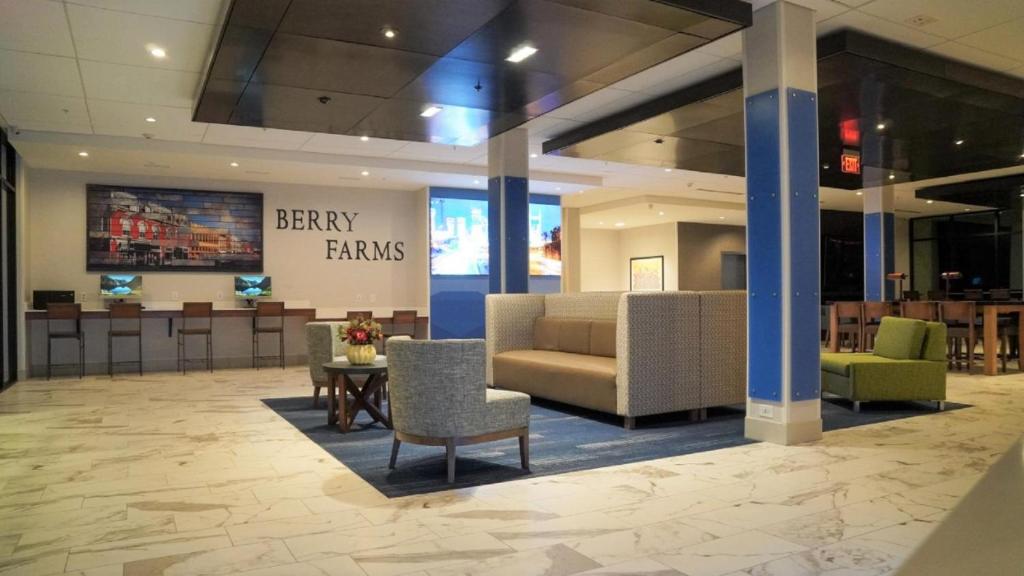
{"x": 574, "y": 336}
{"x": 578, "y": 379}
{"x": 602, "y": 338}
{"x": 545, "y": 333}
{"x": 900, "y": 338}
{"x": 840, "y": 363}
{"x": 934, "y": 348}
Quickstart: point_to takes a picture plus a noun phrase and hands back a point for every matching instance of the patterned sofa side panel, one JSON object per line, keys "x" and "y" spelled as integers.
{"x": 723, "y": 347}
{"x": 658, "y": 351}
{"x": 588, "y": 305}
{"x": 509, "y": 324}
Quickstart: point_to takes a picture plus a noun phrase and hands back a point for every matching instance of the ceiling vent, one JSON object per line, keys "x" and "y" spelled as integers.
{"x": 921, "y": 20}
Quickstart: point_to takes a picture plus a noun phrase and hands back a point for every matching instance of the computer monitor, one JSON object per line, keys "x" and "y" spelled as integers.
{"x": 121, "y": 285}
{"x": 249, "y": 287}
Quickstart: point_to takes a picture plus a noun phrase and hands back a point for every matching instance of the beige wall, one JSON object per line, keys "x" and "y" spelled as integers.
{"x": 295, "y": 259}
{"x": 700, "y": 253}
{"x": 605, "y": 255}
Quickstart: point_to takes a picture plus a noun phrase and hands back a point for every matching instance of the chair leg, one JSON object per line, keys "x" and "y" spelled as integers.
{"x": 81, "y": 358}
{"x": 255, "y": 349}
{"x": 449, "y": 448}
{"x": 940, "y": 405}
{"x": 140, "y": 354}
{"x": 524, "y": 450}
{"x": 280, "y": 345}
{"x": 394, "y": 458}
{"x": 209, "y": 352}
{"x": 629, "y": 422}
{"x": 1002, "y": 350}
{"x": 49, "y": 352}
{"x": 316, "y": 397}
{"x": 856, "y": 405}
{"x": 110, "y": 355}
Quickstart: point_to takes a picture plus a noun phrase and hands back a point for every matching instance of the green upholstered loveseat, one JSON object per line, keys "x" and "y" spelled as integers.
{"x": 908, "y": 363}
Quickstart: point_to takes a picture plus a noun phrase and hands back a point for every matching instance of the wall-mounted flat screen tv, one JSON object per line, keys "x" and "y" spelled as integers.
{"x": 252, "y": 286}
{"x": 121, "y": 285}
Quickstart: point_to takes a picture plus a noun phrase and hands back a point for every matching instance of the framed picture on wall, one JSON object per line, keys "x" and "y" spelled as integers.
{"x": 133, "y": 229}
{"x": 647, "y": 274}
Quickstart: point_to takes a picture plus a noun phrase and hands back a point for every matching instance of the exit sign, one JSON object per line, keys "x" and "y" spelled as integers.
{"x": 850, "y": 163}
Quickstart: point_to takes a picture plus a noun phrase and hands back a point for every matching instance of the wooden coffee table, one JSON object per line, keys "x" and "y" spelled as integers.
{"x": 367, "y": 397}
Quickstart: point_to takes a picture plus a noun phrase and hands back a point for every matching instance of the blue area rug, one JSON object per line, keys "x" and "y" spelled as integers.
{"x": 562, "y": 439}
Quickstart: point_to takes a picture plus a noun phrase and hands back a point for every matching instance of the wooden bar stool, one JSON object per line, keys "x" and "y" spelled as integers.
{"x": 125, "y": 322}
{"x": 874, "y": 311}
{"x": 268, "y": 311}
{"x": 850, "y": 316}
{"x": 403, "y": 323}
{"x": 912, "y": 295}
{"x": 197, "y": 312}
{"x": 961, "y": 320}
{"x": 58, "y": 314}
{"x": 974, "y": 294}
{"x": 927, "y": 311}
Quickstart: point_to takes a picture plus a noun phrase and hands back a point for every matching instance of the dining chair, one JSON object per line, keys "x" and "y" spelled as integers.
{"x": 59, "y": 315}
{"x": 201, "y": 316}
{"x": 874, "y": 311}
{"x": 850, "y": 317}
{"x": 911, "y": 295}
{"x": 353, "y": 315}
{"x": 125, "y": 322}
{"x": 961, "y": 325}
{"x": 974, "y": 294}
{"x": 927, "y": 311}
{"x": 269, "y": 319}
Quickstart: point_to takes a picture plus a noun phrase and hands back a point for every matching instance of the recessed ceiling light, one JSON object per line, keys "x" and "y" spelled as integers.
{"x": 233, "y": 164}
{"x": 929, "y": 201}
{"x": 365, "y": 172}
{"x": 1022, "y": 156}
{"x": 860, "y": 193}
{"x": 364, "y": 138}
{"x": 1022, "y": 194}
{"x": 967, "y": 209}
{"x": 881, "y": 126}
{"x": 156, "y": 51}
{"x": 558, "y": 188}
{"x": 661, "y": 213}
{"x": 721, "y": 217}
{"x": 959, "y": 142}
{"x": 430, "y": 111}
{"x": 521, "y": 53}
{"x": 389, "y": 32}
{"x": 892, "y": 176}
{"x": 150, "y": 119}
{"x": 83, "y": 154}
{"x": 476, "y": 181}
{"x": 600, "y": 223}
{"x": 534, "y": 155}
{"x": 620, "y": 224}
{"x": 668, "y": 169}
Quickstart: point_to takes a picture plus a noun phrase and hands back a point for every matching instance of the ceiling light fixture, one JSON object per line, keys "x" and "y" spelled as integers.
{"x": 389, "y": 32}
{"x": 521, "y": 53}
{"x": 892, "y": 176}
{"x": 150, "y": 119}
{"x": 558, "y": 188}
{"x": 668, "y": 169}
{"x": 365, "y": 172}
{"x": 661, "y": 213}
{"x": 233, "y": 164}
{"x": 860, "y": 193}
{"x": 430, "y": 111}
{"x": 476, "y": 181}
{"x": 364, "y": 138}
{"x": 534, "y": 155}
{"x": 959, "y": 142}
{"x": 881, "y": 126}
{"x": 929, "y": 201}
{"x": 156, "y": 51}
{"x": 620, "y": 224}
{"x": 721, "y": 217}
{"x": 83, "y": 154}
{"x": 967, "y": 209}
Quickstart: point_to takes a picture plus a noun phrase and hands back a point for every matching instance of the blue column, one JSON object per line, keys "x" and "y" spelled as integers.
{"x": 879, "y": 241}
{"x": 780, "y": 89}
{"x": 509, "y": 212}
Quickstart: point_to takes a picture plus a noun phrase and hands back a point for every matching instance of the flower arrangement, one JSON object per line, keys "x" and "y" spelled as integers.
{"x": 361, "y": 332}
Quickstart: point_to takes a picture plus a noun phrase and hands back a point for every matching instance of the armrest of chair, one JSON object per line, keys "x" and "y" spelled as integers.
{"x": 658, "y": 353}
{"x": 509, "y": 324}
{"x": 322, "y": 345}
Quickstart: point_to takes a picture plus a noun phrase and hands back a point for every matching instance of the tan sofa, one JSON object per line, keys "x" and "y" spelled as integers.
{"x": 630, "y": 354}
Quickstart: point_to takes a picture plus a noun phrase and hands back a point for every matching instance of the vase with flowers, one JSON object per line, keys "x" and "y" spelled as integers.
{"x": 360, "y": 335}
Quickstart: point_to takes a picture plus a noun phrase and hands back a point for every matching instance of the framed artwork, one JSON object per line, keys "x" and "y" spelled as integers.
{"x": 647, "y": 274}
{"x": 134, "y": 229}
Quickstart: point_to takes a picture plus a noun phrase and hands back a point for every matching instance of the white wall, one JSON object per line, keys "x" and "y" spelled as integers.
{"x": 605, "y": 255}
{"x": 296, "y": 259}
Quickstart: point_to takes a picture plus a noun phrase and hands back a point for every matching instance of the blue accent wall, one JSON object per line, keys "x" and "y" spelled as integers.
{"x": 764, "y": 248}
{"x": 494, "y": 209}
{"x": 872, "y": 255}
{"x": 517, "y": 235}
{"x": 804, "y": 247}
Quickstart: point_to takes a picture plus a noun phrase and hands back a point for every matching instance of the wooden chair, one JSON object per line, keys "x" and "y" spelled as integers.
{"x": 353, "y": 315}
{"x": 268, "y": 312}
{"x": 197, "y": 312}
{"x": 936, "y": 295}
{"x": 850, "y": 317}
{"x": 874, "y": 311}
{"x": 927, "y": 311}
{"x": 61, "y": 314}
{"x": 403, "y": 323}
{"x": 961, "y": 322}
{"x": 911, "y": 295}
{"x": 1007, "y": 326}
{"x": 999, "y": 294}
{"x": 974, "y": 294}
{"x": 125, "y": 322}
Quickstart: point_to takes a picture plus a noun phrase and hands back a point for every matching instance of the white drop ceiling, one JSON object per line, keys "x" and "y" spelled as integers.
{"x": 77, "y": 74}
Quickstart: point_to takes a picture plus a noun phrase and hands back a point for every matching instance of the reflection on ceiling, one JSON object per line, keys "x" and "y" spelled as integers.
{"x": 904, "y": 114}
{"x": 441, "y": 71}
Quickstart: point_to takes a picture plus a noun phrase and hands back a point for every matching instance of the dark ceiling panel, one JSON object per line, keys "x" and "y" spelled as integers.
{"x": 276, "y": 59}
{"x": 924, "y": 102}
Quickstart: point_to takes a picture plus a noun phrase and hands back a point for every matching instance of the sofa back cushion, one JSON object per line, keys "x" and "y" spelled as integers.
{"x": 900, "y": 338}
{"x": 934, "y": 342}
{"x": 574, "y": 335}
{"x": 602, "y": 338}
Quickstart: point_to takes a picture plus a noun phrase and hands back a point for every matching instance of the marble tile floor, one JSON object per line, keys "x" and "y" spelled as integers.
{"x": 171, "y": 474}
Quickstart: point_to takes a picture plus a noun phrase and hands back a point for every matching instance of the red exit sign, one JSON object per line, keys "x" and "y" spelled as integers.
{"x": 850, "y": 163}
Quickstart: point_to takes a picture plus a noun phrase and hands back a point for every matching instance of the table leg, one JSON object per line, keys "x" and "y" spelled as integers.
{"x": 833, "y": 329}
{"x": 332, "y": 404}
{"x": 343, "y": 418}
{"x": 991, "y": 328}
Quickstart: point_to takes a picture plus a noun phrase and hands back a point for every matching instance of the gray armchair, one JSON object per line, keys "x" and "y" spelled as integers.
{"x": 322, "y": 345}
{"x": 439, "y": 397}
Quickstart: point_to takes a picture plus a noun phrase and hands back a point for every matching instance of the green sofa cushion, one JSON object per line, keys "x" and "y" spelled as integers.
{"x": 900, "y": 338}
{"x": 935, "y": 342}
{"x": 839, "y": 362}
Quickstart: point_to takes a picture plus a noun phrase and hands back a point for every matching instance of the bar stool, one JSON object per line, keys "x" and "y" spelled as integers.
{"x": 268, "y": 311}
{"x": 927, "y": 311}
{"x": 936, "y": 295}
{"x": 911, "y": 295}
{"x": 403, "y": 323}
{"x": 64, "y": 313}
{"x": 974, "y": 294}
{"x": 353, "y": 315}
{"x": 874, "y": 311}
{"x": 197, "y": 312}
{"x": 850, "y": 319}
{"x": 122, "y": 317}
{"x": 961, "y": 321}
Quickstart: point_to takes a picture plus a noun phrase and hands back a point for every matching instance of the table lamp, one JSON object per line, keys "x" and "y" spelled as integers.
{"x": 901, "y": 276}
{"x": 949, "y": 277}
